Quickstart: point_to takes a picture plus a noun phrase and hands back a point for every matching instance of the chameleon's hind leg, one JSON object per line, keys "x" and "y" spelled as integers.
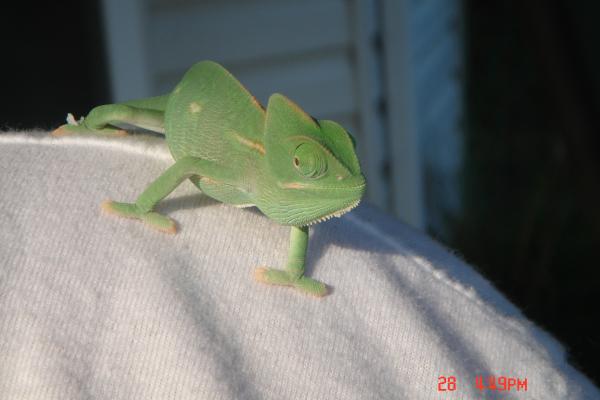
{"x": 105, "y": 121}
{"x": 293, "y": 274}
{"x": 142, "y": 209}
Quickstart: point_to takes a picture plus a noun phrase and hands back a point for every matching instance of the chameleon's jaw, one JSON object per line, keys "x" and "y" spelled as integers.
{"x": 337, "y": 213}
{"x": 321, "y": 209}
{"x": 298, "y": 205}
{"x": 337, "y": 203}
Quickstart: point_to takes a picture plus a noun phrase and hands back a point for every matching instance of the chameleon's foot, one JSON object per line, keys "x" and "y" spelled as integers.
{"x": 69, "y": 129}
{"x": 306, "y": 285}
{"x": 128, "y": 210}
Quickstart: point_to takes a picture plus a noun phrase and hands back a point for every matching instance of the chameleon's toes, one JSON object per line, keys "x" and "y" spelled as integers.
{"x": 63, "y": 130}
{"x": 311, "y": 286}
{"x": 304, "y": 284}
{"x": 160, "y": 222}
{"x": 128, "y": 210}
{"x": 112, "y": 132}
{"x": 272, "y": 276}
{"x": 69, "y": 129}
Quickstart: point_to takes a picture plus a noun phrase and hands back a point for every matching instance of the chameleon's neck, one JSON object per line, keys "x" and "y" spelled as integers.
{"x": 263, "y": 180}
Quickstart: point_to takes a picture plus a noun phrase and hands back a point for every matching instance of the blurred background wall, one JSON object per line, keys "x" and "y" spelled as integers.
{"x": 474, "y": 120}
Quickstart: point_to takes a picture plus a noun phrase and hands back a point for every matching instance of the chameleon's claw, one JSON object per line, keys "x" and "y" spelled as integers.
{"x": 304, "y": 284}
{"x": 128, "y": 210}
{"x": 62, "y": 130}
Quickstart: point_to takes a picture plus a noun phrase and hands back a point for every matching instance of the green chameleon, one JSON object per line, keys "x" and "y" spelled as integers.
{"x": 297, "y": 170}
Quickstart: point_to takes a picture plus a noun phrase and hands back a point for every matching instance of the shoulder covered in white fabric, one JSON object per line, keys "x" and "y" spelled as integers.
{"x": 93, "y": 306}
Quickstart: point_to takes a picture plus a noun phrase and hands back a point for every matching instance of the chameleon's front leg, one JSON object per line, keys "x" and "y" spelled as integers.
{"x": 143, "y": 207}
{"x": 293, "y": 275}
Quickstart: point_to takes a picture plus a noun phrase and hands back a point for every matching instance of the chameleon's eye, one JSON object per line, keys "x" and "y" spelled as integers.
{"x": 309, "y": 160}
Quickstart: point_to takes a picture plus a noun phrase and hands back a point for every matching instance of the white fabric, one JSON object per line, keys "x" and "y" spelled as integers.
{"x": 97, "y": 307}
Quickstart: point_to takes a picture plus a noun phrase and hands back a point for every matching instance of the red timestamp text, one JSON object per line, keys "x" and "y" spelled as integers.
{"x": 501, "y": 383}
{"x": 446, "y": 383}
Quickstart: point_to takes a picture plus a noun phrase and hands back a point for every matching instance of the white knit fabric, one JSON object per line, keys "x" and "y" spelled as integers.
{"x": 97, "y": 307}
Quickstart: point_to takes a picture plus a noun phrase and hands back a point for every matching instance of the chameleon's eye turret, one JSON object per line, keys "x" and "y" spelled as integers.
{"x": 310, "y": 161}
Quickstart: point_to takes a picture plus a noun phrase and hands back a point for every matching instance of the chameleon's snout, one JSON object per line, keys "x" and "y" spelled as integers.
{"x": 352, "y": 188}
{"x": 361, "y": 184}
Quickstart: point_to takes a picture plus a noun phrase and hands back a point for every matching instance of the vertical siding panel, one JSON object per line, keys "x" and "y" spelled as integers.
{"x": 125, "y": 29}
{"x": 437, "y": 57}
{"x": 371, "y": 145}
{"x": 401, "y": 116}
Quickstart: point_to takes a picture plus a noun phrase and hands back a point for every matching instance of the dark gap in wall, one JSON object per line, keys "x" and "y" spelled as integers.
{"x": 53, "y": 62}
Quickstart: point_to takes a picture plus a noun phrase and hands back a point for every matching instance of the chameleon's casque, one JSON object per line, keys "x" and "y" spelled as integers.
{"x": 297, "y": 170}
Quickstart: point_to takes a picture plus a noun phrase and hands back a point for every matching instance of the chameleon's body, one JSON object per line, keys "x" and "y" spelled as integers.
{"x": 296, "y": 170}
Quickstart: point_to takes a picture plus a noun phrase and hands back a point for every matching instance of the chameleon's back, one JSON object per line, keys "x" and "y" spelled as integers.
{"x": 211, "y": 115}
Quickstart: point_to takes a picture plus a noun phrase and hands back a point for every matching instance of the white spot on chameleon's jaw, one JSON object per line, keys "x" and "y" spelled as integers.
{"x": 339, "y": 177}
{"x": 195, "y": 107}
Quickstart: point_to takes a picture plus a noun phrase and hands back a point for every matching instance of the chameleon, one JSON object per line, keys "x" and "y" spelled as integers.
{"x": 297, "y": 170}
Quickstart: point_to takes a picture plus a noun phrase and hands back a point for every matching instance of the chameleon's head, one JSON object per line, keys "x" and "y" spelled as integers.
{"x": 311, "y": 170}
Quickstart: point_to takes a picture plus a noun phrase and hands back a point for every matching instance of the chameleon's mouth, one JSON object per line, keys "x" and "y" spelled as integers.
{"x": 352, "y": 202}
{"x": 337, "y": 213}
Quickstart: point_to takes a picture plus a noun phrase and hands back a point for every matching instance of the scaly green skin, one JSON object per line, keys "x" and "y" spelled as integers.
{"x": 297, "y": 170}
